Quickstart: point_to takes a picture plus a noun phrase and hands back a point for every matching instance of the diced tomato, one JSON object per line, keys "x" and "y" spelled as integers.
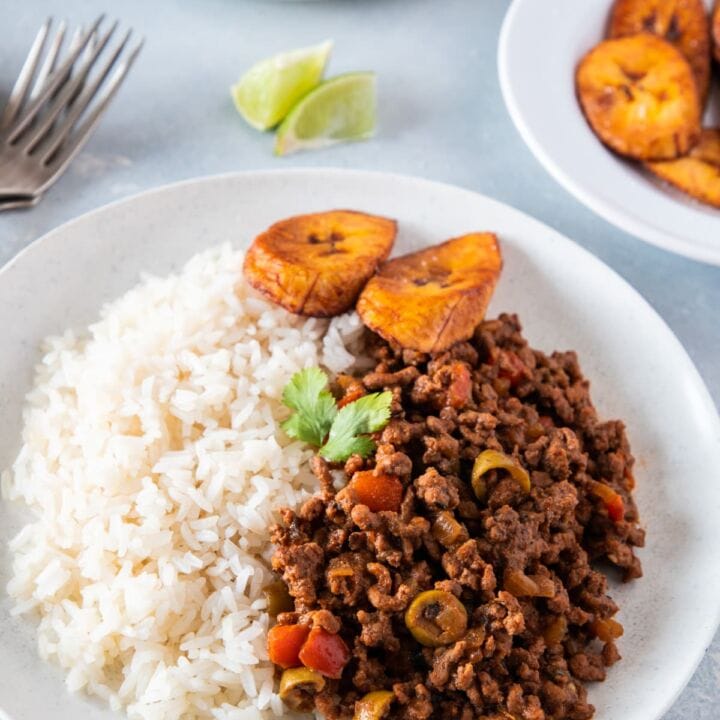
{"x": 511, "y": 367}
{"x": 378, "y": 492}
{"x": 325, "y": 653}
{"x": 285, "y": 643}
{"x": 353, "y": 392}
{"x": 459, "y": 392}
{"x": 616, "y": 509}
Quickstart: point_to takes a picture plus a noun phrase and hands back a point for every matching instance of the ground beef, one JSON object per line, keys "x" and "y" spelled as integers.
{"x": 524, "y": 656}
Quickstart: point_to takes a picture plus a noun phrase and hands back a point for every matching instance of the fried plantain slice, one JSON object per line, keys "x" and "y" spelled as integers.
{"x": 683, "y": 23}
{"x": 431, "y": 299}
{"x": 698, "y": 173}
{"x": 317, "y": 264}
{"x": 716, "y": 30}
{"x": 639, "y": 97}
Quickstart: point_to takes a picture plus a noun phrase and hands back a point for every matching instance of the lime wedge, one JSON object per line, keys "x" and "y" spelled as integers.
{"x": 265, "y": 94}
{"x": 339, "y": 109}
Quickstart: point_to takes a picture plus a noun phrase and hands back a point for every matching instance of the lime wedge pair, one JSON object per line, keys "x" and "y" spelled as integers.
{"x": 287, "y": 89}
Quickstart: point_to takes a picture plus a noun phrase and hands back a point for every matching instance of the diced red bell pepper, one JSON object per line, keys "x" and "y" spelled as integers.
{"x": 378, "y": 492}
{"x": 285, "y": 643}
{"x": 325, "y": 653}
{"x": 459, "y": 392}
{"x": 613, "y": 501}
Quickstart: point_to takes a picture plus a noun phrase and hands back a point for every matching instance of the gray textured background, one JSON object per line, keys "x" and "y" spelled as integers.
{"x": 441, "y": 117}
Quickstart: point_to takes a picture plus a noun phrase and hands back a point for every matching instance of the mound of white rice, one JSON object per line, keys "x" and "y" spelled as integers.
{"x": 154, "y": 466}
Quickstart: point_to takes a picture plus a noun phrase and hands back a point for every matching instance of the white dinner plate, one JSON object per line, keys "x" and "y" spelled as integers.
{"x": 540, "y": 46}
{"x": 566, "y": 299}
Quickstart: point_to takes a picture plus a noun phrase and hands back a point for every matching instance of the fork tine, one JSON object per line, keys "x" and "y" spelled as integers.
{"x": 92, "y": 44}
{"x": 82, "y": 101}
{"x": 81, "y": 136}
{"x": 49, "y": 64}
{"x": 19, "y": 91}
{"x": 73, "y": 45}
{"x": 77, "y": 35}
{"x": 75, "y": 39}
{"x": 86, "y": 54}
{"x": 67, "y": 92}
{"x": 54, "y": 82}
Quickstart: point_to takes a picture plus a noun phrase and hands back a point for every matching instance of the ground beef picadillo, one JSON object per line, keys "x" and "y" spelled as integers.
{"x": 523, "y": 657}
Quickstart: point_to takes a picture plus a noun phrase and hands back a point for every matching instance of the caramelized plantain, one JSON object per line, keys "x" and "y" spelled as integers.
{"x": 683, "y": 23}
{"x": 698, "y": 173}
{"x": 639, "y": 97}
{"x": 431, "y": 299}
{"x": 317, "y": 264}
{"x": 716, "y": 30}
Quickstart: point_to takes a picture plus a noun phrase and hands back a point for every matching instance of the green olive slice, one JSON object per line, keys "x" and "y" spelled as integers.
{"x": 436, "y": 618}
{"x": 296, "y": 682}
{"x": 278, "y": 598}
{"x": 493, "y": 460}
{"x": 447, "y": 530}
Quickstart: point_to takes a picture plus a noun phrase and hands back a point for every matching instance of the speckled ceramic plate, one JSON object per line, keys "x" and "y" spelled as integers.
{"x": 540, "y": 45}
{"x": 566, "y": 298}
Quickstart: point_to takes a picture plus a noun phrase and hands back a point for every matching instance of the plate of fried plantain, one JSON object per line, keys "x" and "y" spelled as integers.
{"x": 627, "y": 116}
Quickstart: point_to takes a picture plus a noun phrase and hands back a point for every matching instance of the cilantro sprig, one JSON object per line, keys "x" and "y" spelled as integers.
{"x": 307, "y": 393}
{"x": 317, "y": 421}
{"x": 348, "y": 433}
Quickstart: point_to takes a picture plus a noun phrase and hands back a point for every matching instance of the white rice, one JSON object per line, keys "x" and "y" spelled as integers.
{"x": 153, "y": 463}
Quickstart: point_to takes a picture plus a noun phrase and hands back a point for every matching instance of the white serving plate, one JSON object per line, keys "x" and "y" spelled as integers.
{"x": 566, "y": 298}
{"x": 540, "y": 45}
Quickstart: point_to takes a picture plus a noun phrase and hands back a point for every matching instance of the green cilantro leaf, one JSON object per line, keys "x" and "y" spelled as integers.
{"x": 366, "y": 415}
{"x": 307, "y": 393}
{"x": 340, "y": 449}
{"x": 316, "y": 417}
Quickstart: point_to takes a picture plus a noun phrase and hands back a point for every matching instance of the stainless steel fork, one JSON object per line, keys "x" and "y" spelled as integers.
{"x": 55, "y": 106}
